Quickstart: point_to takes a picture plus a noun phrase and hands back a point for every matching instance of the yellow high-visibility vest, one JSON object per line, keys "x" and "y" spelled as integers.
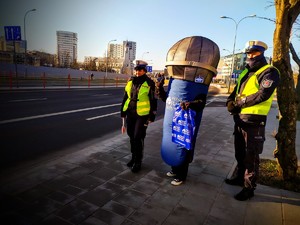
{"x": 252, "y": 87}
{"x": 143, "y": 102}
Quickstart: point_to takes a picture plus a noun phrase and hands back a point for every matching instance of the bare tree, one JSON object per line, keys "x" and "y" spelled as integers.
{"x": 287, "y": 12}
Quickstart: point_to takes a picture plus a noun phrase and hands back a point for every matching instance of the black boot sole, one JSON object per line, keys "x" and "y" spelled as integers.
{"x": 136, "y": 168}
{"x": 244, "y": 196}
{"x": 130, "y": 164}
{"x": 234, "y": 182}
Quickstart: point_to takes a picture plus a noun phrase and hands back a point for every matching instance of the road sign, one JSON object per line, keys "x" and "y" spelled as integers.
{"x": 149, "y": 68}
{"x": 12, "y": 33}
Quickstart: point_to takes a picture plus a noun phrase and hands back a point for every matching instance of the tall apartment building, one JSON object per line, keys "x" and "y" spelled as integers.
{"x": 66, "y": 48}
{"x": 115, "y": 51}
{"x": 118, "y": 51}
{"x": 130, "y": 50}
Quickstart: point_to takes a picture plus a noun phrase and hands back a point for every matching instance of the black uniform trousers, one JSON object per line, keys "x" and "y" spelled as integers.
{"x": 136, "y": 130}
{"x": 248, "y": 142}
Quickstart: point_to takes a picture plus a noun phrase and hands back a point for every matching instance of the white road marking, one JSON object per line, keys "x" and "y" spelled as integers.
{"x": 56, "y": 114}
{"x": 28, "y": 100}
{"x": 98, "y": 117}
{"x": 208, "y": 102}
{"x": 100, "y": 95}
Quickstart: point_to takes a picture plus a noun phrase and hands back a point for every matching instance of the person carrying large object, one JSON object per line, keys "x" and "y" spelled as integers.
{"x": 191, "y": 65}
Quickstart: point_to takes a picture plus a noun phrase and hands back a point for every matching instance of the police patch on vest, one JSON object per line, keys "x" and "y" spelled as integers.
{"x": 266, "y": 83}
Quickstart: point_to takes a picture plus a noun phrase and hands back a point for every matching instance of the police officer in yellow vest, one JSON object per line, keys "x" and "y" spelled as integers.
{"x": 139, "y": 106}
{"x": 249, "y": 103}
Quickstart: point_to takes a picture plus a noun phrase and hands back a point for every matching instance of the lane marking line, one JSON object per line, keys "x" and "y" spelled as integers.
{"x": 56, "y": 114}
{"x": 28, "y": 100}
{"x": 98, "y": 117}
{"x": 208, "y": 102}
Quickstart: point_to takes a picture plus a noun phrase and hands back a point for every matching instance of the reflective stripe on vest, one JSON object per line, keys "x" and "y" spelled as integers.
{"x": 143, "y": 102}
{"x": 252, "y": 87}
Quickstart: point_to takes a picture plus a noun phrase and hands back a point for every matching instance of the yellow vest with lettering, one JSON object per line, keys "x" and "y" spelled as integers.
{"x": 252, "y": 87}
{"x": 143, "y": 102}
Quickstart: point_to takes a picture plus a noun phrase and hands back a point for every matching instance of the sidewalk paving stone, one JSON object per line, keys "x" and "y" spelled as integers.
{"x": 93, "y": 185}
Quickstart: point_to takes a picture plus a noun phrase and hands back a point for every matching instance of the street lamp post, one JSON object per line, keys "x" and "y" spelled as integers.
{"x": 226, "y": 62}
{"x": 224, "y": 49}
{"x": 227, "y": 51}
{"x": 31, "y": 10}
{"x": 233, "y": 51}
{"x": 107, "y": 57}
{"x": 144, "y": 54}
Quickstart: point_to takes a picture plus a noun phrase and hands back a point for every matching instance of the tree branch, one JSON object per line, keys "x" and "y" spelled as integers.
{"x": 265, "y": 18}
{"x": 295, "y": 10}
{"x": 294, "y": 54}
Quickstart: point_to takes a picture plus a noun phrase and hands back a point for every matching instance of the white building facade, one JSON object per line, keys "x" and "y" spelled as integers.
{"x": 225, "y": 69}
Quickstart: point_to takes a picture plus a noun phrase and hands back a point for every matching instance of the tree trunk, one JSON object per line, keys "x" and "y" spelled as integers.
{"x": 286, "y": 14}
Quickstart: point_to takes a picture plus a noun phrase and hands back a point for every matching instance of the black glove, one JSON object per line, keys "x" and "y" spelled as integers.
{"x": 152, "y": 117}
{"x": 240, "y": 103}
{"x": 233, "y": 108}
{"x": 197, "y": 105}
{"x": 184, "y": 105}
{"x": 230, "y": 106}
{"x": 123, "y": 114}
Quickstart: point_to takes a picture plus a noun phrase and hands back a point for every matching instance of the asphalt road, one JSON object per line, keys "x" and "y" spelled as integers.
{"x": 37, "y": 123}
{"x": 34, "y": 123}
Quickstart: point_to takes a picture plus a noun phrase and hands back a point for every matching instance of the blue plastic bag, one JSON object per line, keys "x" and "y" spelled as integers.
{"x": 183, "y": 127}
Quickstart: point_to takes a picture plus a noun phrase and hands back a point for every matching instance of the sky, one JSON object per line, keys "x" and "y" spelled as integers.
{"x": 155, "y": 25}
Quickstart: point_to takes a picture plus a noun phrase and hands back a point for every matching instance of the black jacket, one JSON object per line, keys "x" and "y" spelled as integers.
{"x": 268, "y": 80}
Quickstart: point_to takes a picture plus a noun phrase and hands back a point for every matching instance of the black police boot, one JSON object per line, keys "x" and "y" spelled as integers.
{"x": 133, "y": 153}
{"x": 245, "y": 194}
{"x": 136, "y": 167}
{"x": 139, "y": 149}
{"x": 235, "y": 181}
{"x": 131, "y": 162}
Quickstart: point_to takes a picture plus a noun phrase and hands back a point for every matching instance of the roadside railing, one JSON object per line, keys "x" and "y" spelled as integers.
{"x": 11, "y": 81}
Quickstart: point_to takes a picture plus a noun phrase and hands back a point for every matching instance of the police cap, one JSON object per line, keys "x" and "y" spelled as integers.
{"x": 141, "y": 65}
{"x": 255, "y": 46}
